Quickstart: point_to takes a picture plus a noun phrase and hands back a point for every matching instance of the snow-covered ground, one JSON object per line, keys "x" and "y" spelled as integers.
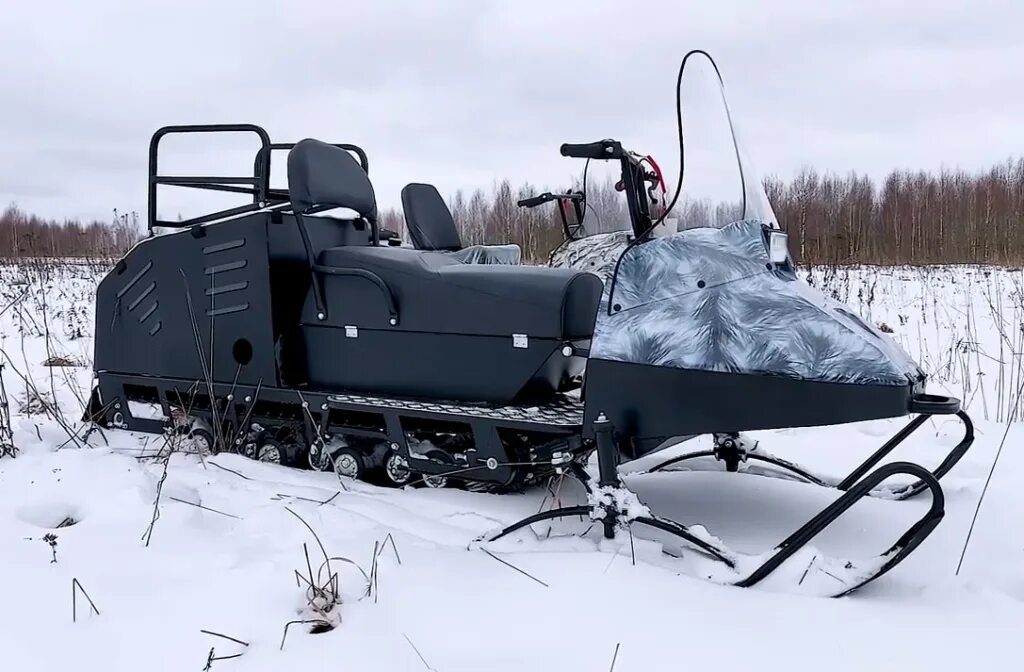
{"x": 439, "y": 601}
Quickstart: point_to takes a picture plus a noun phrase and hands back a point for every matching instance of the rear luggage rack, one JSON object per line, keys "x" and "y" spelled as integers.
{"x": 256, "y": 185}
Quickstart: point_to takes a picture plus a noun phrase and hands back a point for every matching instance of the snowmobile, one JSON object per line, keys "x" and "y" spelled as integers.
{"x": 292, "y": 329}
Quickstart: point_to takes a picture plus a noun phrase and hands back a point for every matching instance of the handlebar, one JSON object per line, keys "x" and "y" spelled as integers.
{"x": 546, "y": 197}
{"x": 602, "y": 149}
{"x": 534, "y": 201}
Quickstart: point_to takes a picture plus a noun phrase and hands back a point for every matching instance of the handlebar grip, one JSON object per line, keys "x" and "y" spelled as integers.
{"x": 534, "y": 201}
{"x": 603, "y": 149}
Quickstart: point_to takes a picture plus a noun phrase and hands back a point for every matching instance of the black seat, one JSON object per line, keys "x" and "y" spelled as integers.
{"x": 398, "y": 321}
{"x": 432, "y": 227}
{"x": 438, "y": 294}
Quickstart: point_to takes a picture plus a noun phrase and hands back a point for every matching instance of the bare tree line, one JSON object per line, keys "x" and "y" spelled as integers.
{"x": 920, "y": 217}
{"x": 914, "y": 218}
{"x": 24, "y": 235}
{"x": 950, "y": 217}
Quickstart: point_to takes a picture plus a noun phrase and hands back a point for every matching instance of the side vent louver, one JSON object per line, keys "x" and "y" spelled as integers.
{"x": 149, "y": 311}
{"x": 224, "y": 289}
{"x": 146, "y": 292}
{"x": 223, "y": 268}
{"x": 135, "y": 278}
{"x": 221, "y": 247}
{"x": 227, "y": 310}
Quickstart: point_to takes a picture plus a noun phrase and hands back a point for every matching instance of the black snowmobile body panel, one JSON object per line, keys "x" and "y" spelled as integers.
{"x": 202, "y": 290}
{"x": 653, "y": 403}
{"x": 304, "y": 299}
{"x": 472, "y": 332}
{"x": 705, "y": 333}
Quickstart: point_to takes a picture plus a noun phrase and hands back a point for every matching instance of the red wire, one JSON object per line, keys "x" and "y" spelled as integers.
{"x": 657, "y": 171}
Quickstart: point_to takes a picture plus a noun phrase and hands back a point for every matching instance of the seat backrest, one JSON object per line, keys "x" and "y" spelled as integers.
{"x": 430, "y": 223}
{"x": 324, "y": 176}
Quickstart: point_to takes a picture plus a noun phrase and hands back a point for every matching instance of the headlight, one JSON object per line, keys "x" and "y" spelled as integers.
{"x": 778, "y": 247}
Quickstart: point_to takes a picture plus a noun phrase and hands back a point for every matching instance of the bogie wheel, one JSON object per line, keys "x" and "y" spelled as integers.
{"x": 397, "y": 470}
{"x": 202, "y": 440}
{"x": 438, "y": 481}
{"x": 271, "y": 451}
{"x": 319, "y": 457}
{"x": 349, "y": 462}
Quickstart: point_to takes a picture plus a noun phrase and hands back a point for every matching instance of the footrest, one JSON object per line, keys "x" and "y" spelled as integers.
{"x": 561, "y": 412}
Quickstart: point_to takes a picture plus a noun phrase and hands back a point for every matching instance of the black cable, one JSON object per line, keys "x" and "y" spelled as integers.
{"x": 682, "y": 164}
{"x": 586, "y": 166}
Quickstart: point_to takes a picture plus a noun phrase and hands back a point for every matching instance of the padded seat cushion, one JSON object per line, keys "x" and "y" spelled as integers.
{"x": 439, "y": 294}
{"x": 428, "y": 218}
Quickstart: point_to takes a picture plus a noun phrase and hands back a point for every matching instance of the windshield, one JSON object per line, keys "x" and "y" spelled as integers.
{"x": 715, "y": 235}
{"x": 721, "y": 184}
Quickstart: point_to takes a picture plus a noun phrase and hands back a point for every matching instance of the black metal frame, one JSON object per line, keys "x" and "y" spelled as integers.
{"x": 229, "y": 184}
{"x": 389, "y": 298}
{"x": 236, "y": 405}
{"x": 257, "y": 185}
{"x": 729, "y": 452}
{"x": 605, "y": 510}
{"x": 574, "y": 197}
{"x": 633, "y": 179}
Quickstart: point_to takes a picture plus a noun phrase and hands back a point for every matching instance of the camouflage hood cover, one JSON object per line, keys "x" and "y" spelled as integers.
{"x": 710, "y": 299}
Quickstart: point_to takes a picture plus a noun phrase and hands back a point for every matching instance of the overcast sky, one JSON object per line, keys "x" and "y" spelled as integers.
{"x": 462, "y": 92}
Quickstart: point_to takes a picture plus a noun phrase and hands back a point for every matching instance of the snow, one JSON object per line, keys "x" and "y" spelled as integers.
{"x": 438, "y": 597}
